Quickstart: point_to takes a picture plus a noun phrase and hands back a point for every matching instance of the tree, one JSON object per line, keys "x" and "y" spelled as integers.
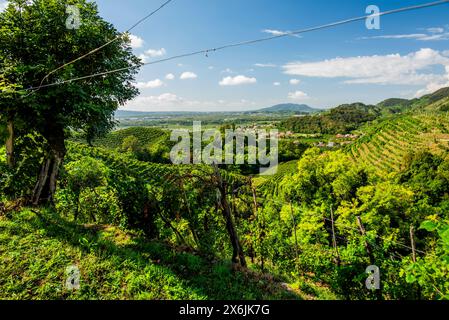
{"x": 34, "y": 41}
{"x": 431, "y": 272}
{"x": 219, "y": 187}
{"x": 130, "y": 144}
{"x": 8, "y": 96}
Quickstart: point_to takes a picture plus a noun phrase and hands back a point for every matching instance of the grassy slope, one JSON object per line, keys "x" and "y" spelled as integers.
{"x": 36, "y": 249}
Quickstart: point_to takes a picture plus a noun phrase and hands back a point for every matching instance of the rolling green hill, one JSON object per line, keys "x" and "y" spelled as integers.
{"x": 283, "y": 169}
{"x": 289, "y": 108}
{"x": 387, "y": 144}
{"x": 342, "y": 119}
{"x": 426, "y": 102}
{"x": 146, "y": 137}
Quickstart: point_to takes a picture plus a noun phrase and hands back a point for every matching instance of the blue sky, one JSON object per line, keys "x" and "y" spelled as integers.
{"x": 407, "y": 57}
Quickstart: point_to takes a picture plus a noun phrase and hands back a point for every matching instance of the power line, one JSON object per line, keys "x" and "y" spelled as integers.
{"x": 250, "y": 42}
{"x": 149, "y": 15}
{"x": 104, "y": 45}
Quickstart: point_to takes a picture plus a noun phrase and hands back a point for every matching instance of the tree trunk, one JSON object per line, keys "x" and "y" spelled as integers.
{"x": 45, "y": 188}
{"x": 260, "y": 226}
{"x": 237, "y": 255}
{"x": 10, "y": 144}
{"x": 237, "y": 252}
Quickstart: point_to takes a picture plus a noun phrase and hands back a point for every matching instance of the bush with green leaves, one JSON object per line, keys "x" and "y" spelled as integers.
{"x": 431, "y": 272}
{"x": 85, "y": 185}
{"x": 330, "y": 182}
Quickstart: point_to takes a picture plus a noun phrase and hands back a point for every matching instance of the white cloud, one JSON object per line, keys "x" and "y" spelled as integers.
{"x": 154, "y": 53}
{"x": 3, "y": 5}
{"x": 237, "y": 80}
{"x": 157, "y": 83}
{"x": 394, "y": 69}
{"x": 398, "y": 36}
{"x": 149, "y": 102}
{"x": 211, "y": 68}
{"x": 276, "y": 84}
{"x": 173, "y": 102}
{"x": 435, "y": 30}
{"x": 387, "y": 69}
{"x": 188, "y": 75}
{"x": 430, "y": 88}
{"x": 298, "y": 95}
{"x": 295, "y": 82}
{"x": 227, "y": 70}
{"x": 274, "y": 32}
{"x": 136, "y": 41}
{"x": 144, "y": 58}
{"x": 170, "y": 76}
{"x": 433, "y": 34}
{"x": 265, "y": 65}
{"x": 436, "y": 37}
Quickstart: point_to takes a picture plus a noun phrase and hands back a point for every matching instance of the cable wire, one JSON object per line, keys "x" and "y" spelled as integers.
{"x": 250, "y": 42}
{"x": 104, "y": 45}
{"x": 358, "y": 230}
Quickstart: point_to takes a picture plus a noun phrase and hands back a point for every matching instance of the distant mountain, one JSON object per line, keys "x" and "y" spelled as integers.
{"x": 437, "y": 100}
{"x": 437, "y": 95}
{"x": 393, "y": 102}
{"x": 289, "y": 107}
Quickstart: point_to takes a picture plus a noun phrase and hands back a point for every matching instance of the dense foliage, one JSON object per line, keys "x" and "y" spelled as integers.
{"x": 288, "y": 230}
{"x": 36, "y": 46}
{"x": 138, "y": 226}
{"x": 342, "y": 119}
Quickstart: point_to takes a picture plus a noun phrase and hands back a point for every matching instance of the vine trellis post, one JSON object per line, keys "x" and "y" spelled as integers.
{"x": 296, "y": 238}
{"x": 334, "y": 239}
{"x": 260, "y": 225}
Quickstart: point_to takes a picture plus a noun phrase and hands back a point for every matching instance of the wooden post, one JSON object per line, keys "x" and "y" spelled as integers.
{"x": 334, "y": 240}
{"x": 369, "y": 251}
{"x": 238, "y": 255}
{"x": 10, "y": 144}
{"x": 195, "y": 236}
{"x": 296, "y": 238}
{"x": 412, "y": 241}
{"x": 367, "y": 245}
{"x": 260, "y": 225}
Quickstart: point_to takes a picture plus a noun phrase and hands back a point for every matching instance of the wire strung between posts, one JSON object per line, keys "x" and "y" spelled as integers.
{"x": 250, "y": 42}
{"x": 392, "y": 254}
{"x": 102, "y": 46}
{"x": 353, "y": 228}
{"x": 379, "y": 237}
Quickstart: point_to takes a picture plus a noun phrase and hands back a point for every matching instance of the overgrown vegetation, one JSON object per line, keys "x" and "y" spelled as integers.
{"x": 138, "y": 227}
{"x": 342, "y": 119}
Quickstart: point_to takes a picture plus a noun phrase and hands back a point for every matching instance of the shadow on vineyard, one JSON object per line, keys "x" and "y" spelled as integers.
{"x": 114, "y": 264}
